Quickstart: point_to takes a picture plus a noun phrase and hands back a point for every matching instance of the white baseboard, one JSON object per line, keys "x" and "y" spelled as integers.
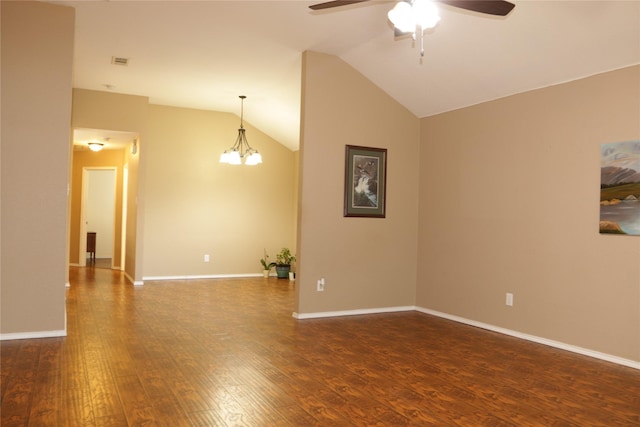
{"x": 302, "y": 316}
{"x": 132, "y": 280}
{"x": 203, "y": 276}
{"x": 67, "y": 285}
{"x": 539, "y": 340}
{"x": 32, "y": 335}
{"x": 536, "y": 339}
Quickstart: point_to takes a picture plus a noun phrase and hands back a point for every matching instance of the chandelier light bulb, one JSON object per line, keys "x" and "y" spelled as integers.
{"x": 253, "y": 159}
{"x": 234, "y": 158}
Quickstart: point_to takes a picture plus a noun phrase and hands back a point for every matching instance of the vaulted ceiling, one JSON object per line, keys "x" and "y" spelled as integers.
{"x": 204, "y": 54}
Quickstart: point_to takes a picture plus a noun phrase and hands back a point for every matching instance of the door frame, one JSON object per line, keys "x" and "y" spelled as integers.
{"x": 82, "y": 250}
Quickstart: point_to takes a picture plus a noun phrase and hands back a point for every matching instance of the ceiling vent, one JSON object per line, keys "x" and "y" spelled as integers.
{"x": 116, "y": 60}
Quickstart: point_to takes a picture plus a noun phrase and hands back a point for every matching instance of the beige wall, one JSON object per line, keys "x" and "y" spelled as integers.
{"x": 367, "y": 263}
{"x": 36, "y": 110}
{"x": 197, "y": 206}
{"x": 112, "y": 111}
{"x": 90, "y": 159}
{"x": 509, "y": 194}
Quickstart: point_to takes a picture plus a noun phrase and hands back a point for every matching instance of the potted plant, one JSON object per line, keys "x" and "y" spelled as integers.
{"x": 284, "y": 258}
{"x": 266, "y": 265}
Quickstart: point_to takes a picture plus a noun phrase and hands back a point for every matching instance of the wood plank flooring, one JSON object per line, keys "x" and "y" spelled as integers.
{"x": 228, "y": 353}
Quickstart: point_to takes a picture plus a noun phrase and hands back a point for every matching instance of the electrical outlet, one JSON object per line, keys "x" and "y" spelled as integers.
{"x": 509, "y": 301}
{"x": 206, "y": 258}
{"x": 320, "y": 287}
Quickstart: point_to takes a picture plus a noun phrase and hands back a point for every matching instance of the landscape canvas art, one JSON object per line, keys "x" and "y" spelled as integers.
{"x": 620, "y": 188}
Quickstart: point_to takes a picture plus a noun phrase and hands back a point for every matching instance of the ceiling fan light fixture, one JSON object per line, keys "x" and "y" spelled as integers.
{"x": 426, "y": 14}
{"x": 401, "y": 16}
{"x": 406, "y": 16}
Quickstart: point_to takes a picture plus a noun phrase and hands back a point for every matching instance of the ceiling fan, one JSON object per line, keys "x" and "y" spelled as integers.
{"x": 490, "y": 7}
{"x": 415, "y": 16}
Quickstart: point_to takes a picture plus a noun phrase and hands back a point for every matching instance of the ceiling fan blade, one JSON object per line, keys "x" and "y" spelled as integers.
{"x": 334, "y": 3}
{"x": 490, "y": 7}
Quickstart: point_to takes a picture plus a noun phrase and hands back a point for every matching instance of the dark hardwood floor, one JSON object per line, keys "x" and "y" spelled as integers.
{"x": 228, "y": 353}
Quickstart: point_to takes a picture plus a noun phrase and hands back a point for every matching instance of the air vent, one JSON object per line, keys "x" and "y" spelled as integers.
{"x": 116, "y": 60}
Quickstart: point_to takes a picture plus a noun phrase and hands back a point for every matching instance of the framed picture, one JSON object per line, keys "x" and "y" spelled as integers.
{"x": 365, "y": 182}
{"x": 619, "y": 188}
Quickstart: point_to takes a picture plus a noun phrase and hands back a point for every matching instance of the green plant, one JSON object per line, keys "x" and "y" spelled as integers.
{"x": 266, "y": 265}
{"x": 284, "y": 257}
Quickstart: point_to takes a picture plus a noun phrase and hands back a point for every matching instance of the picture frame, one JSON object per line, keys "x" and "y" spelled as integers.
{"x": 365, "y": 182}
{"x": 619, "y": 187}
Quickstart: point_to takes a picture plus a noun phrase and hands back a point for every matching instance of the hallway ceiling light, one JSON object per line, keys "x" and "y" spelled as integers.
{"x": 241, "y": 149}
{"x": 96, "y": 146}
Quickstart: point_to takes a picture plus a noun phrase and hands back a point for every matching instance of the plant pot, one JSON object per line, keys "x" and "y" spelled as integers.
{"x": 265, "y": 273}
{"x": 283, "y": 271}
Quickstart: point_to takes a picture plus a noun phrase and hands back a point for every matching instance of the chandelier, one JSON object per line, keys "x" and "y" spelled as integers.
{"x": 241, "y": 150}
{"x": 411, "y": 17}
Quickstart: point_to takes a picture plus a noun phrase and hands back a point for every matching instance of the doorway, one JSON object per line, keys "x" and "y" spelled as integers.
{"x": 118, "y": 159}
{"x": 98, "y": 215}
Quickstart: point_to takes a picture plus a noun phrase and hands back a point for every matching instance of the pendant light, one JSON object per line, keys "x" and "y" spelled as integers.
{"x": 241, "y": 150}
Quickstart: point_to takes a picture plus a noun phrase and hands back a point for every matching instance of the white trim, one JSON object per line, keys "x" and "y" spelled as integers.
{"x": 86, "y": 171}
{"x": 82, "y": 250}
{"x": 67, "y": 285}
{"x": 32, "y": 335}
{"x": 302, "y": 316}
{"x": 73, "y": 264}
{"x": 124, "y": 194}
{"x": 132, "y": 280}
{"x": 536, "y": 339}
{"x": 203, "y": 276}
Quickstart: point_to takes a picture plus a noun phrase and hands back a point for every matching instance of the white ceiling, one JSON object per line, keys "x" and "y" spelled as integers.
{"x": 204, "y": 54}
{"x": 110, "y": 139}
